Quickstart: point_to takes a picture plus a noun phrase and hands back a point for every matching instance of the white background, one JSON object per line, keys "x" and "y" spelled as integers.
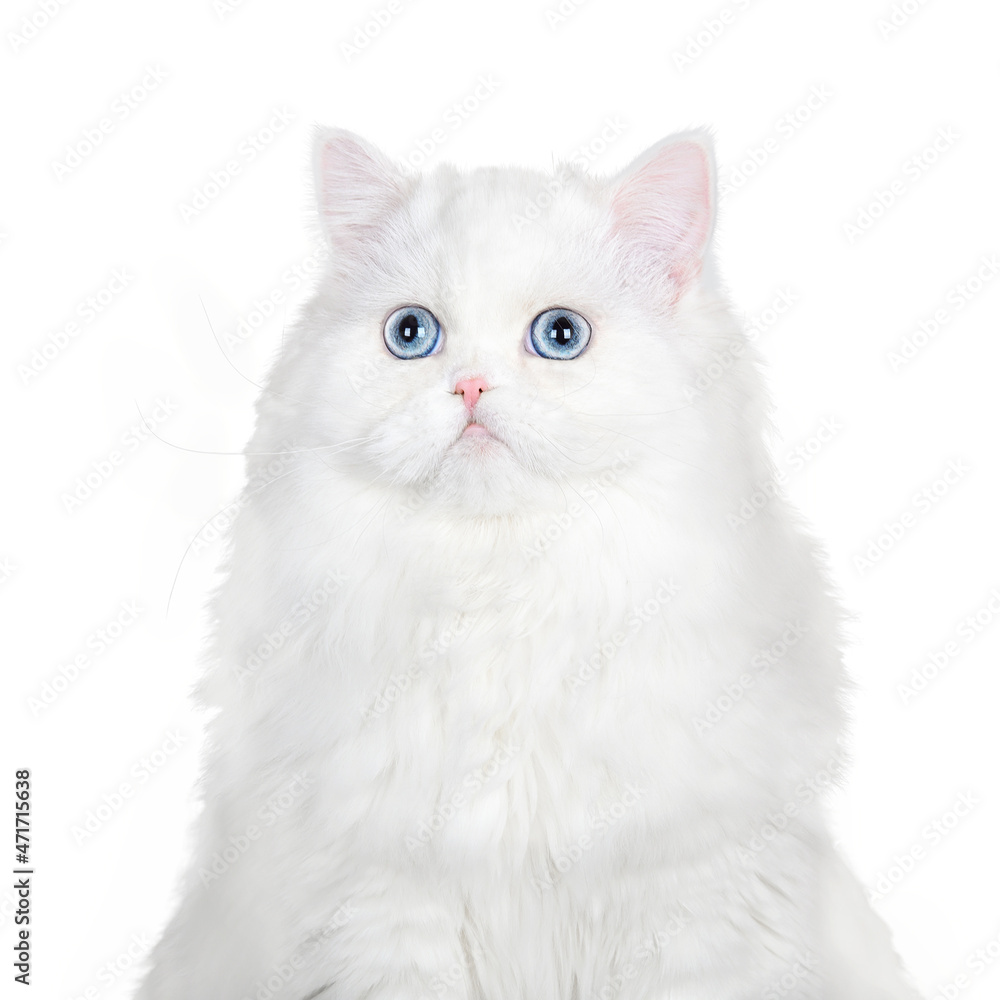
{"x": 887, "y": 93}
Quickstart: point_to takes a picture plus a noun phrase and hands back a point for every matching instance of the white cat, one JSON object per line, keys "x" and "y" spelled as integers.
{"x": 514, "y": 703}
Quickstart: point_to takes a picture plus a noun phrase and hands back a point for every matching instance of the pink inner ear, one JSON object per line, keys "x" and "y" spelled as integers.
{"x": 355, "y": 185}
{"x": 663, "y": 207}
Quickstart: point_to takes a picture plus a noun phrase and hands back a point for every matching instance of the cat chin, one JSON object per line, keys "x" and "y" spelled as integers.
{"x": 480, "y": 475}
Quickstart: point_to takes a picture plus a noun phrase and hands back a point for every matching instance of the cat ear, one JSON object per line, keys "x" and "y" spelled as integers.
{"x": 357, "y": 186}
{"x": 663, "y": 207}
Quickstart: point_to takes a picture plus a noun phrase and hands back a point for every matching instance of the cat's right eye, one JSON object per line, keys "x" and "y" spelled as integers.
{"x": 558, "y": 334}
{"x": 412, "y": 332}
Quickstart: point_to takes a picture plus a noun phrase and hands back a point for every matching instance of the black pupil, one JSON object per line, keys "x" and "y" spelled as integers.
{"x": 408, "y": 327}
{"x": 561, "y": 330}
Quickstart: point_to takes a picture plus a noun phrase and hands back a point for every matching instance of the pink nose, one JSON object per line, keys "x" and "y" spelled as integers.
{"x": 470, "y": 389}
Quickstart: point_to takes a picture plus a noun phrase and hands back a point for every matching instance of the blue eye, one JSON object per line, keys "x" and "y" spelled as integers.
{"x": 412, "y": 332}
{"x": 559, "y": 334}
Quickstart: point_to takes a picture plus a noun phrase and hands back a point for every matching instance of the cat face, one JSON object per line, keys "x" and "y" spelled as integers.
{"x": 500, "y": 336}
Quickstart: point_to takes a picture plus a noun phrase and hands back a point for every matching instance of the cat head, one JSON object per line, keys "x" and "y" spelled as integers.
{"x": 497, "y": 337}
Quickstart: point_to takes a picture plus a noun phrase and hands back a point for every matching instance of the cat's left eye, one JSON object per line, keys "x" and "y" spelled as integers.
{"x": 412, "y": 332}
{"x": 558, "y": 334}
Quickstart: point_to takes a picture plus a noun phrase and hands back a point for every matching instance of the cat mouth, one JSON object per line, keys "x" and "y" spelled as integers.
{"x": 475, "y": 430}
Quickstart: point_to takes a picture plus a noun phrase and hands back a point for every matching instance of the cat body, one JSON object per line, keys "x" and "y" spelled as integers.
{"x": 511, "y": 702}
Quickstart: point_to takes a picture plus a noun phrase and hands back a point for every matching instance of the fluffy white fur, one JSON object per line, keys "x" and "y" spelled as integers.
{"x": 464, "y": 746}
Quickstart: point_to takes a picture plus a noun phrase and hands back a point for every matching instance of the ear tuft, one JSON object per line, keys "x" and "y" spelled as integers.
{"x": 663, "y": 206}
{"x": 357, "y": 186}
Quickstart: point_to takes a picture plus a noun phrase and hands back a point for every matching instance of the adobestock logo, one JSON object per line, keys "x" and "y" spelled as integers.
{"x": 89, "y": 309}
{"x": 94, "y": 645}
{"x": 267, "y": 305}
{"x": 762, "y": 662}
{"x": 932, "y": 835}
{"x": 428, "y": 655}
{"x": 112, "y": 970}
{"x": 247, "y": 150}
{"x": 914, "y": 167}
{"x": 676, "y": 921}
{"x": 102, "y": 469}
{"x": 99, "y": 815}
{"x": 978, "y": 962}
{"x": 898, "y": 16}
{"x": 122, "y": 107}
{"x": 602, "y": 819}
{"x": 365, "y": 33}
{"x": 470, "y": 785}
{"x": 589, "y": 493}
{"x": 936, "y": 661}
{"x": 787, "y": 125}
{"x": 955, "y": 300}
{"x": 581, "y": 158}
{"x": 561, "y": 13}
{"x": 727, "y": 358}
{"x": 923, "y": 501}
{"x": 650, "y": 609}
{"x": 237, "y": 844}
{"x": 711, "y": 29}
{"x": 226, "y": 7}
{"x": 32, "y": 24}
{"x": 801, "y": 969}
{"x": 454, "y": 118}
{"x": 270, "y": 642}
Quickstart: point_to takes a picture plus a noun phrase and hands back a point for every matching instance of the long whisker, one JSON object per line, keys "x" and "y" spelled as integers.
{"x": 369, "y": 518}
{"x": 242, "y": 498}
{"x": 341, "y": 445}
{"x": 556, "y": 447}
{"x": 218, "y": 343}
{"x": 264, "y": 388}
{"x": 201, "y": 528}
